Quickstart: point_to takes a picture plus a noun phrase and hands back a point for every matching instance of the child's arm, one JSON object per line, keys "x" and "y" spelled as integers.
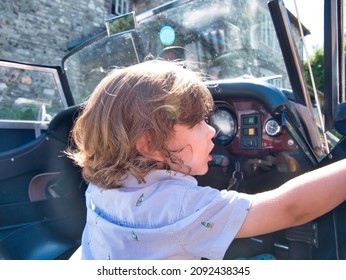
{"x": 298, "y": 201}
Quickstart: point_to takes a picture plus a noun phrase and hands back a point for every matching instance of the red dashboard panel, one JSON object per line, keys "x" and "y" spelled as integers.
{"x": 251, "y": 138}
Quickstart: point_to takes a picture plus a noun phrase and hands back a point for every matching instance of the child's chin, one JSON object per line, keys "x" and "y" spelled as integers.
{"x": 203, "y": 172}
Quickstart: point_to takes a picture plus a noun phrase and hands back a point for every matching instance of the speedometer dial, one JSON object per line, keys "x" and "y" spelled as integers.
{"x": 224, "y": 123}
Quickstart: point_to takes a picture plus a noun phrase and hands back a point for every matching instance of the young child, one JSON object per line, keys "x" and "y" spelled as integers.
{"x": 140, "y": 140}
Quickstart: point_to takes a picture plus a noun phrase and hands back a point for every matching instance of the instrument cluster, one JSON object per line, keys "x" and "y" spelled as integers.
{"x": 246, "y": 128}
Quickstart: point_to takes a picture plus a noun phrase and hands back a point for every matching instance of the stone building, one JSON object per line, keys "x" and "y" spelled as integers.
{"x": 42, "y": 32}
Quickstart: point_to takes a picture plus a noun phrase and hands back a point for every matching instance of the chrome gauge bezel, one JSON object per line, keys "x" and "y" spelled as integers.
{"x": 272, "y": 127}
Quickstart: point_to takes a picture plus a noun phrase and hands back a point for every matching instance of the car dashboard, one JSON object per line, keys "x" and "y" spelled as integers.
{"x": 257, "y": 142}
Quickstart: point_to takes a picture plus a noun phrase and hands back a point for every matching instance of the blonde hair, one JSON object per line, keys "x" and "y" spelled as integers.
{"x": 147, "y": 98}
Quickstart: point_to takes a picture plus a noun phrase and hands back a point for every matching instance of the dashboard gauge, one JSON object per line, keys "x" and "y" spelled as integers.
{"x": 272, "y": 127}
{"x": 224, "y": 123}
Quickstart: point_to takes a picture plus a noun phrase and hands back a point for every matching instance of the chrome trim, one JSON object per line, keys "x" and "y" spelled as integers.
{"x": 52, "y": 71}
{"x": 37, "y": 126}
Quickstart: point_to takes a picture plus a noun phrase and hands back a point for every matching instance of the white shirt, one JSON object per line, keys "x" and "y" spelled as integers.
{"x": 168, "y": 217}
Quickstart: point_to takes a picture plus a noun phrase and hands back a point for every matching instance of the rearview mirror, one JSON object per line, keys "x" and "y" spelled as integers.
{"x": 121, "y": 24}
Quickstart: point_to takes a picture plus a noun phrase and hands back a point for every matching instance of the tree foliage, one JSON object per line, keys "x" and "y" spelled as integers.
{"x": 317, "y": 63}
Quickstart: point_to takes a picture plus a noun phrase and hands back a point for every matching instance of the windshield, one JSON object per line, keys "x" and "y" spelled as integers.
{"x": 224, "y": 39}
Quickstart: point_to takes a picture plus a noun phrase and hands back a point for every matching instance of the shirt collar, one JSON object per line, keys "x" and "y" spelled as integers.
{"x": 155, "y": 176}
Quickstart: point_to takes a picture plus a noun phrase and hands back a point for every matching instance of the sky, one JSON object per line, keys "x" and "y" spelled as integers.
{"x": 311, "y": 16}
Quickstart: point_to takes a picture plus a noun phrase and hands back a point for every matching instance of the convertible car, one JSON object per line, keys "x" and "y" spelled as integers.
{"x": 271, "y": 126}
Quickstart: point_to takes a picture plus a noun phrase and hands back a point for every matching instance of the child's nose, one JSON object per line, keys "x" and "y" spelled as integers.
{"x": 212, "y": 131}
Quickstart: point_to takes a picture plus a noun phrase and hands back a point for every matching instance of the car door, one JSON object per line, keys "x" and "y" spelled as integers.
{"x": 39, "y": 185}
{"x": 334, "y": 224}
{"x": 325, "y": 237}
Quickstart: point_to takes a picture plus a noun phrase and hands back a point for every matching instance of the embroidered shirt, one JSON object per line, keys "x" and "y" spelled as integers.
{"x": 167, "y": 217}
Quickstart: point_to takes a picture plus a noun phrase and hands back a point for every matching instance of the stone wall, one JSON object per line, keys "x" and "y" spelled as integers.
{"x": 41, "y": 31}
{"x": 38, "y": 31}
{"x": 144, "y": 5}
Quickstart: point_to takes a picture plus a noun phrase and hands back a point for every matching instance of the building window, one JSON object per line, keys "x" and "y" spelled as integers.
{"x": 267, "y": 33}
{"x": 119, "y": 7}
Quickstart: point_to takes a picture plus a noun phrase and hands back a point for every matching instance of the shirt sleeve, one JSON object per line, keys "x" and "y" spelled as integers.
{"x": 211, "y": 221}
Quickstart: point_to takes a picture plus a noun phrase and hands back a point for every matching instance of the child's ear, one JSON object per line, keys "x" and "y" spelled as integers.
{"x": 143, "y": 147}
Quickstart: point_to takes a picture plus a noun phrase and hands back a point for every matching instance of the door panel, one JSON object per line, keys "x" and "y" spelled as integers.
{"x": 41, "y": 190}
{"x": 332, "y": 226}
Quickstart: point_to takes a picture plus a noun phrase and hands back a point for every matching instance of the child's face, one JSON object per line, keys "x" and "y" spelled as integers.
{"x": 194, "y": 146}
